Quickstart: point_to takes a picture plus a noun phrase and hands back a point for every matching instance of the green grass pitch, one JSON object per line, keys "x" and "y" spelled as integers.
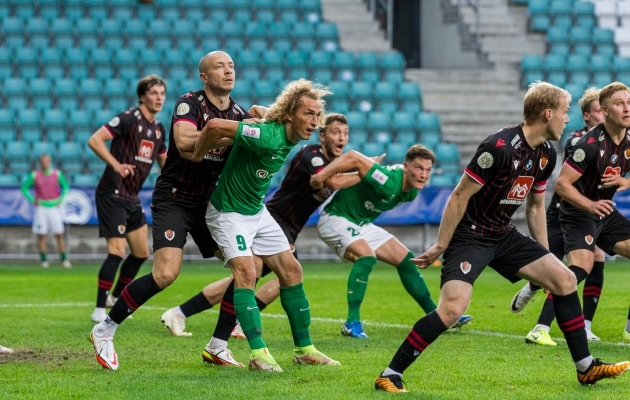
{"x": 45, "y": 317}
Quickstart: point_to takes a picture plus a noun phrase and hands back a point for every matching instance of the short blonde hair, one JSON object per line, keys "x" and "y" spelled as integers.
{"x": 541, "y": 96}
{"x": 608, "y": 90}
{"x": 288, "y": 102}
{"x": 590, "y": 95}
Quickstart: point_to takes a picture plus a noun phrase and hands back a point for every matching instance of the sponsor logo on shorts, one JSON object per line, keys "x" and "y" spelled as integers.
{"x": 465, "y": 266}
{"x": 588, "y": 239}
{"x": 519, "y": 191}
{"x": 122, "y": 229}
{"x": 169, "y": 234}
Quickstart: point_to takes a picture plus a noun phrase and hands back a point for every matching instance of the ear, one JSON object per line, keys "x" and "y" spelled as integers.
{"x": 547, "y": 115}
{"x": 289, "y": 118}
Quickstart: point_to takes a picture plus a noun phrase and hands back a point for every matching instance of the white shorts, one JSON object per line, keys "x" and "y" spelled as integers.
{"x": 339, "y": 233}
{"x": 239, "y": 235}
{"x": 47, "y": 219}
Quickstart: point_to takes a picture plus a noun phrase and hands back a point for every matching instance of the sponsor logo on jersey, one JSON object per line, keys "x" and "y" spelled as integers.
{"x": 169, "y": 234}
{"x": 238, "y": 110}
{"x": 114, "y": 122}
{"x": 122, "y": 229}
{"x": 322, "y": 195}
{"x": 182, "y": 109}
{"x": 588, "y": 239}
{"x": 379, "y": 177}
{"x": 145, "y": 152}
{"x": 262, "y": 174}
{"x": 485, "y": 160}
{"x": 543, "y": 162}
{"x": 317, "y": 161}
{"x": 614, "y": 158}
{"x": 215, "y": 154}
{"x": 519, "y": 191}
{"x": 500, "y": 143}
{"x": 251, "y": 132}
{"x": 516, "y": 142}
{"x": 370, "y": 207}
{"x": 529, "y": 165}
{"x": 579, "y": 155}
{"x": 465, "y": 266}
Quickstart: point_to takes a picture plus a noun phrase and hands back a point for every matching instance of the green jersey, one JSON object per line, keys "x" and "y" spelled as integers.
{"x": 258, "y": 154}
{"x": 380, "y": 190}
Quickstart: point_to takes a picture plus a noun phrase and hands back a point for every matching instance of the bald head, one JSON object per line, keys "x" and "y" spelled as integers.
{"x": 211, "y": 59}
{"x": 216, "y": 70}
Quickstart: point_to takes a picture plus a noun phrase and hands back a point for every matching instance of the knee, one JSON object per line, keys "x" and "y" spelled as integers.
{"x": 565, "y": 283}
{"x": 164, "y": 277}
{"x": 450, "y": 310}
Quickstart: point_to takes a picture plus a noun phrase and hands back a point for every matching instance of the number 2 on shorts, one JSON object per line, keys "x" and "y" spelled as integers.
{"x": 353, "y": 232}
{"x": 240, "y": 240}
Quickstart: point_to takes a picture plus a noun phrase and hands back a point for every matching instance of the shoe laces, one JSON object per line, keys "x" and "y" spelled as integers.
{"x": 396, "y": 380}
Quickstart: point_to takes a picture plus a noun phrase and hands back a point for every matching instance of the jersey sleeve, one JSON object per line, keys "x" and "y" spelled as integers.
{"x": 256, "y": 137}
{"x": 120, "y": 125}
{"x": 581, "y": 155}
{"x": 186, "y": 110}
{"x": 382, "y": 179}
{"x": 311, "y": 161}
{"x": 162, "y": 148}
{"x": 487, "y": 161}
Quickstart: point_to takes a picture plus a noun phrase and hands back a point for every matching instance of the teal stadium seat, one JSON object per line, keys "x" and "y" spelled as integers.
{"x": 386, "y": 95}
{"x": 584, "y": 14}
{"x": 429, "y": 122}
{"x": 13, "y": 26}
{"x": 601, "y": 68}
{"x": 578, "y": 69}
{"x": 561, "y": 12}
{"x": 9, "y": 180}
{"x": 396, "y": 152}
{"x": 404, "y": 121}
{"x": 442, "y": 180}
{"x": 345, "y": 65}
{"x": 265, "y": 15}
{"x": 159, "y": 28}
{"x": 555, "y": 68}
{"x": 383, "y": 137}
{"x": 581, "y": 40}
{"x": 55, "y": 118}
{"x": 358, "y": 136}
{"x": 367, "y": 59}
{"x": 327, "y": 36}
{"x": 81, "y": 137}
{"x": 532, "y": 69}
{"x": 604, "y": 42}
{"x": 373, "y": 149}
{"x": 357, "y": 120}
{"x": 49, "y": 12}
{"x": 243, "y": 15}
{"x": 539, "y": 17}
{"x": 340, "y": 89}
{"x": 86, "y": 180}
{"x": 392, "y": 60}
{"x": 407, "y": 137}
{"x": 71, "y": 157}
{"x": 56, "y": 135}
{"x": 558, "y": 40}
{"x": 18, "y": 156}
{"x": 311, "y": 10}
{"x": 40, "y": 148}
{"x": 320, "y": 59}
{"x": 621, "y": 67}
{"x": 447, "y": 155}
{"x": 576, "y": 90}
{"x": 379, "y": 121}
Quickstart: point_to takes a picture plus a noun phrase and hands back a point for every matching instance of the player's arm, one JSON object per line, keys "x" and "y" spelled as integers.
{"x": 26, "y": 186}
{"x": 342, "y": 181}
{"x": 186, "y": 137}
{"x": 351, "y": 160}
{"x": 564, "y": 187}
{"x": 257, "y": 111}
{"x": 213, "y": 134}
{"x": 63, "y": 184}
{"x": 453, "y": 213}
{"x": 98, "y": 146}
{"x": 616, "y": 180}
{"x": 536, "y": 217}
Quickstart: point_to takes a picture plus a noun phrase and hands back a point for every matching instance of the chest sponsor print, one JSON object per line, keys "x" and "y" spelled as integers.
{"x": 145, "y": 152}
{"x": 519, "y": 190}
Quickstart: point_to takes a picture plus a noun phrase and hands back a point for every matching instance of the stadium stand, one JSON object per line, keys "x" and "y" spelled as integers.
{"x": 66, "y": 67}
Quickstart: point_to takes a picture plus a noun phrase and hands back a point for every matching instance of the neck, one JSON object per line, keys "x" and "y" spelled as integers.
{"x": 146, "y": 113}
{"x": 534, "y": 134}
{"x": 615, "y": 131}
{"x": 406, "y": 186}
{"x": 45, "y": 170}
{"x": 291, "y": 135}
{"x": 220, "y": 101}
{"x": 329, "y": 157}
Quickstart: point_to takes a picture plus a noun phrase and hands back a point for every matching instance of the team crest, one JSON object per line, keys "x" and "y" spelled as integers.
{"x": 543, "y": 162}
{"x": 169, "y": 234}
{"x": 158, "y": 134}
{"x": 627, "y": 153}
{"x": 588, "y": 239}
{"x": 121, "y": 229}
{"x": 465, "y": 267}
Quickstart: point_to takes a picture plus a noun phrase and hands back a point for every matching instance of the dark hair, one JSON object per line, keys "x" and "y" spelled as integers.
{"x": 335, "y": 117}
{"x": 419, "y": 151}
{"x": 147, "y": 83}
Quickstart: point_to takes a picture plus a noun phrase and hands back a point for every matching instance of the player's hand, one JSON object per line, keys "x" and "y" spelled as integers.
{"x": 36, "y": 202}
{"x": 616, "y": 180}
{"x": 253, "y": 121}
{"x": 316, "y": 182}
{"x": 257, "y": 111}
{"x": 378, "y": 159}
{"x": 601, "y": 208}
{"x": 429, "y": 256}
{"x": 125, "y": 170}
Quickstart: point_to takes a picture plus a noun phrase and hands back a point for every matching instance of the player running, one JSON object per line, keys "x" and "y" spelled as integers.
{"x": 137, "y": 140}
{"x": 510, "y": 167}
{"x": 346, "y": 225}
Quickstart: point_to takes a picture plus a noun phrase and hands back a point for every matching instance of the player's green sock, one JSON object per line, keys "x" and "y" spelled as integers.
{"x": 295, "y": 304}
{"x": 42, "y": 256}
{"x": 63, "y": 257}
{"x": 357, "y": 285}
{"x": 248, "y": 315}
{"x": 413, "y": 281}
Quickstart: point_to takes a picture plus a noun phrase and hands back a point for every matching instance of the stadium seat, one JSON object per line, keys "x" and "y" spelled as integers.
{"x": 392, "y": 60}
{"x": 56, "y": 136}
{"x": 383, "y": 137}
{"x": 356, "y": 120}
{"x": 407, "y": 137}
{"x": 85, "y": 180}
{"x": 55, "y": 118}
{"x": 159, "y": 28}
{"x": 9, "y": 180}
{"x": 18, "y": 156}
{"x": 379, "y": 121}
{"x": 396, "y": 152}
{"x": 65, "y": 87}
{"x": 320, "y": 59}
{"x": 561, "y": 12}
{"x": 428, "y": 121}
{"x": 82, "y": 120}
{"x": 71, "y": 157}
{"x": 373, "y": 149}
{"x": 409, "y": 91}
{"x": 578, "y": 68}
{"x": 367, "y": 59}
{"x": 40, "y": 148}
{"x": 558, "y": 39}
{"x": 357, "y": 136}
{"x": 430, "y": 139}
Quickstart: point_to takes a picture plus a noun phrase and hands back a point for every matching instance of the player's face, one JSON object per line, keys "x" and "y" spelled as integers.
{"x": 219, "y": 76}
{"x": 304, "y": 121}
{"x": 594, "y": 116}
{"x": 334, "y": 139}
{"x": 617, "y": 109}
{"x": 44, "y": 163}
{"x": 558, "y": 120}
{"x": 153, "y": 98}
{"x": 418, "y": 172}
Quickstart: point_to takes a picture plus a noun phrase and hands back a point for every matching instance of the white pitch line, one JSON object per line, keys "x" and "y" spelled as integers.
{"x": 317, "y": 319}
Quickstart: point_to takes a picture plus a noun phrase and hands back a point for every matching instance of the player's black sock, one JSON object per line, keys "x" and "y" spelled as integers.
{"x": 424, "y": 332}
{"x": 133, "y": 296}
{"x": 128, "y": 270}
{"x": 571, "y": 322}
{"x": 265, "y": 270}
{"x": 195, "y": 305}
{"x": 592, "y": 290}
{"x": 261, "y": 305}
{"x": 227, "y": 315}
{"x": 106, "y": 277}
{"x": 548, "y": 314}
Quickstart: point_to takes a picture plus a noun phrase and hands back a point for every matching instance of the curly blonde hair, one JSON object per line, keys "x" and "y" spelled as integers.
{"x": 288, "y": 102}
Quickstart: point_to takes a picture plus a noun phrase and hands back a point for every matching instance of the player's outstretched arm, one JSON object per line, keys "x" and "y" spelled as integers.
{"x": 453, "y": 213}
{"x": 342, "y": 181}
{"x": 257, "y": 111}
{"x": 351, "y": 160}
{"x": 98, "y": 146}
{"x": 214, "y": 134}
{"x": 536, "y": 217}
{"x": 566, "y": 190}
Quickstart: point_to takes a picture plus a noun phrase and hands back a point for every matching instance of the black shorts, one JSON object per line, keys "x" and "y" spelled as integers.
{"x": 290, "y": 237}
{"x": 118, "y": 217}
{"x": 555, "y": 236}
{"x": 468, "y": 255}
{"x": 583, "y": 230}
{"x": 173, "y": 220}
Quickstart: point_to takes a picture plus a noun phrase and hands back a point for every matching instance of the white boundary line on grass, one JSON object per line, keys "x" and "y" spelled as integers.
{"x": 318, "y": 319}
